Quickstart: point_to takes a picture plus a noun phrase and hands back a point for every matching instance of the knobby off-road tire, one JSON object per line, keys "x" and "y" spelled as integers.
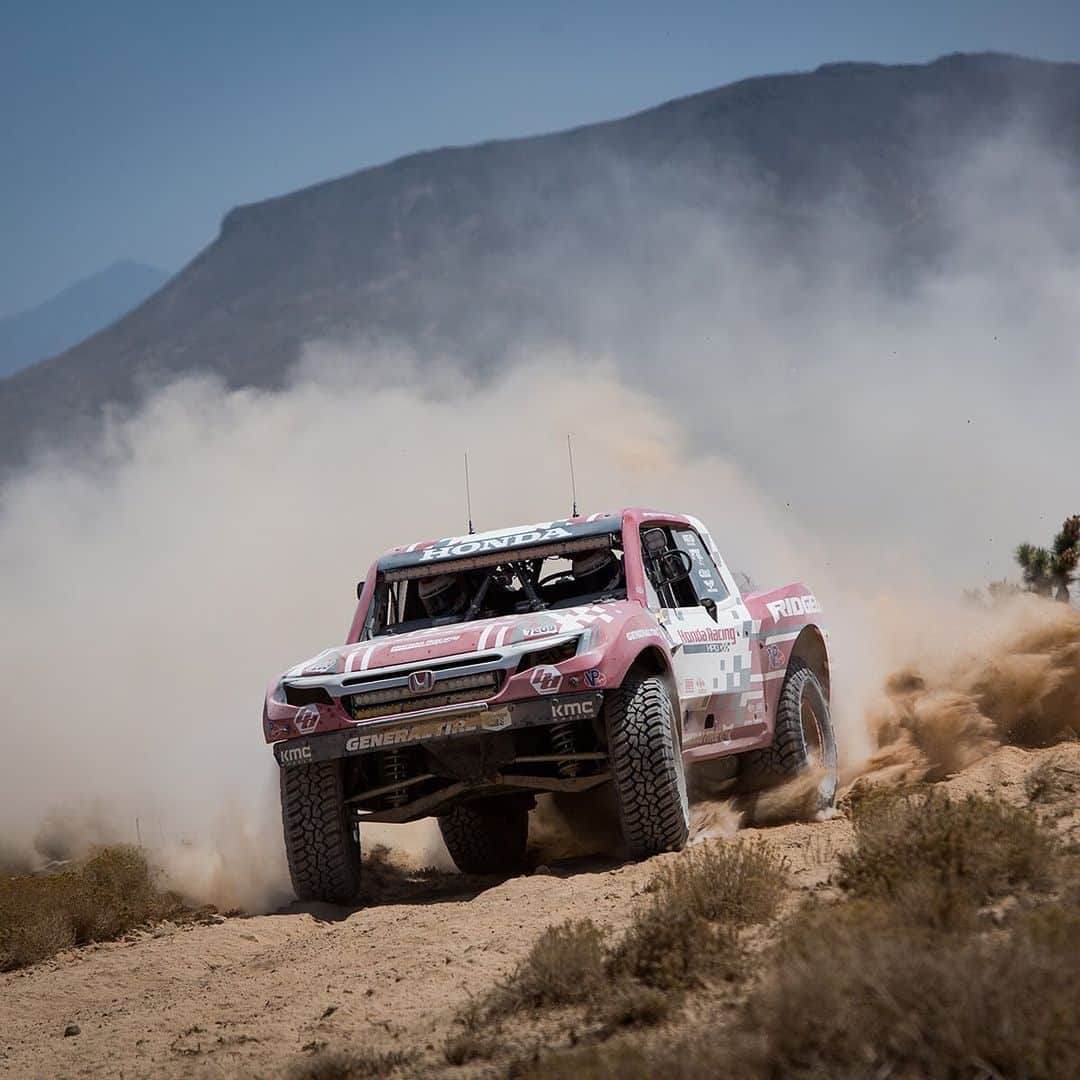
{"x": 646, "y": 760}
{"x": 803, "y": 738}
{"x": 484, "y": 837}
{"x": 324, "y": 857}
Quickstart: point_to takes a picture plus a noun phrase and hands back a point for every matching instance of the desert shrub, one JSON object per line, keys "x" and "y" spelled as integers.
{"x": 698, "y": 903}
{"x": 109, "y": 894}
{"x": 632, "y": 1004}
{"x": 564, "y": 966}
{"x": 350, "y": 1064}
{"x": 936, "y": 860}
{"x": 466, "y": 1046}
{"x": 734, "y": 884}
{"x": 694, "y": 1058}
{"x": 1051, "y": 780}
{"x": 854, "y": 992}
{"x": 477, "y": 1038}
{"x": 669, "y": 946}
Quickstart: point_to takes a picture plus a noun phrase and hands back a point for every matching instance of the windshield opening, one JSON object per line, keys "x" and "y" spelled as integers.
{"x": 528, "y": 580}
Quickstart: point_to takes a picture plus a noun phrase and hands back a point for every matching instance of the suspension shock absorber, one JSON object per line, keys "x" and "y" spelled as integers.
{"x": 563, "y": 742}
{"x": 393, "y": 769}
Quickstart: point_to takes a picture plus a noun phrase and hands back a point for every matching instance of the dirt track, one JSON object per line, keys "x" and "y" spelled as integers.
{"x": 247, "y": 995}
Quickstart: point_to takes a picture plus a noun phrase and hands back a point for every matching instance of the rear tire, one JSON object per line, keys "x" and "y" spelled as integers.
{"x": 803, "y": 738}
{"x": 646, "y": 760}
{"x": 487, "y": 836}
{"x": 323, "y": 854}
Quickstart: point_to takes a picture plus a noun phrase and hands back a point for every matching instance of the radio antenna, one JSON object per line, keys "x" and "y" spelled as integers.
{"x": 468, "y": 494}
{"x": 573, "y": 481}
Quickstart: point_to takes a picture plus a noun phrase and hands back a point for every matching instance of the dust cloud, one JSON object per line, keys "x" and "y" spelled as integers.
{"x": 216, "y": 539}
{"x": 888, "y": 444}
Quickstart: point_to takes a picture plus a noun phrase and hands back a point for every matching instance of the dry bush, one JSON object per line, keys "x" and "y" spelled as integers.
{"x": 671, "y": 947}
{"x": 1051, "y": 781}
{"x": 854, "y": 992}
{"x": 937, "y": 860}
{"x": 631, "y": 1060}
{"x": 476, "y": 1041}
{"x": 632, "y": 1004}
{"x": 468, "y": 1046}
{"x": 700, "y": 901}
{"x": 104, "y": 897}
{"x": 686, "y": 930}
{"x": 734, "y": 884}
{"x": 351, "y": 1064}
{"x": 564, "y": 966}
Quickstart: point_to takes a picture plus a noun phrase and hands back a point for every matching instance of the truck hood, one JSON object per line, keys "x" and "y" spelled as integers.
{"x": 601, "y": 621}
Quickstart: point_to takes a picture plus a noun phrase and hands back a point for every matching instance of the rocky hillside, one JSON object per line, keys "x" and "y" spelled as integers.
{"x": 464, "y": 252}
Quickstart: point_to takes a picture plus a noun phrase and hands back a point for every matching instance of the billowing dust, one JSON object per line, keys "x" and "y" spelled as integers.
{"x": 1011, "y": 675}
{"x": 156, "y": 581}
{"x": 1019, "y": 684}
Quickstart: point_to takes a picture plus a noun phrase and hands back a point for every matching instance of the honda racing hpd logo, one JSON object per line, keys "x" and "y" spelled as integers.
{"x": 546, "y": 679}
{"x": 421, "y": 682}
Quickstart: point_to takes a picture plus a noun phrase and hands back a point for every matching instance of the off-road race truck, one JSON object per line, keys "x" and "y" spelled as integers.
{"x": 482, "y": 670}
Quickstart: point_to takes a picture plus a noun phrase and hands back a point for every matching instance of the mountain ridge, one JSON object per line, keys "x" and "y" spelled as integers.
{"x": 435, "y": 250}
{"x": 78, "y": 310}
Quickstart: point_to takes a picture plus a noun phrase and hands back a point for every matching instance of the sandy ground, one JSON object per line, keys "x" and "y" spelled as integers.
{"x": 246, "y": 996}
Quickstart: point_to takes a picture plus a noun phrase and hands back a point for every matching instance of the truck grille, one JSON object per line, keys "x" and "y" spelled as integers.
{"x": 400, "y": 699}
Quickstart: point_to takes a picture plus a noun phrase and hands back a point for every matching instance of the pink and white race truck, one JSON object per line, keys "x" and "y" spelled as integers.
{"x": 481, "y": 670}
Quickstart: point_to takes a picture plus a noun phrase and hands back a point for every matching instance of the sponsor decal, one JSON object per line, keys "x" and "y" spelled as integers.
{"x": 421, "y": 682}
{"x": 322, "y": 664}
{"x": 719, "y": 734}
{"x": 493, "y": 543}
{"x": 589, "y": 613}
{"x": 594, "y": 677}
{"x": 295, "y": 755}
{"x": 430, "y": 729}
{"x": 572, "y": 710}
{"x": 776, "y": 655}
{"x": 793, "y": 605}
{"x": 638, "y": 635}
{"x": 425, "y": 644}
{"x": 721, "y": 635}
{"x": 307, "y": 719}
{"x": 546, "y": 679}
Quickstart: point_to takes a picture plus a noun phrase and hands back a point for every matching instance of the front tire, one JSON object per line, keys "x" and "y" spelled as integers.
{"x": 322, "y": 850}
{"x": 802, "y": 740}
{"x": 646, "y": 760}
{"x": 487, "y": 836}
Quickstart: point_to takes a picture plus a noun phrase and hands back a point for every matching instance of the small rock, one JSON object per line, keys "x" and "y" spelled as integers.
{"x": 72, "y": 1029}
{"x": 542, "y": 870}
{"x": 328, "y": 1011}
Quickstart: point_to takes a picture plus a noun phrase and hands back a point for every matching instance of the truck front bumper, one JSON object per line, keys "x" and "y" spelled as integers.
{"x": 435, "y": 725}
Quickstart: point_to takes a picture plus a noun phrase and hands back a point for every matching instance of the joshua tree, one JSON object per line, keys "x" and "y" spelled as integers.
{"x": 1066, "y": 556}
{"x": 1049, "y": 572}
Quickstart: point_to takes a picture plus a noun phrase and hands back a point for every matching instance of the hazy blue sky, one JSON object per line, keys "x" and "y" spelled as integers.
{"x": 129, "y": 128}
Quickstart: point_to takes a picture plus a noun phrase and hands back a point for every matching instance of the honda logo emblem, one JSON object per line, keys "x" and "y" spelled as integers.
{"x": 422, "y": 682}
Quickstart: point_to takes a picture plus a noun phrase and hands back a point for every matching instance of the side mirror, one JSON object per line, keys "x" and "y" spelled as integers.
{"x": 654, "y": 542}
{"x": 359, "y": 589}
